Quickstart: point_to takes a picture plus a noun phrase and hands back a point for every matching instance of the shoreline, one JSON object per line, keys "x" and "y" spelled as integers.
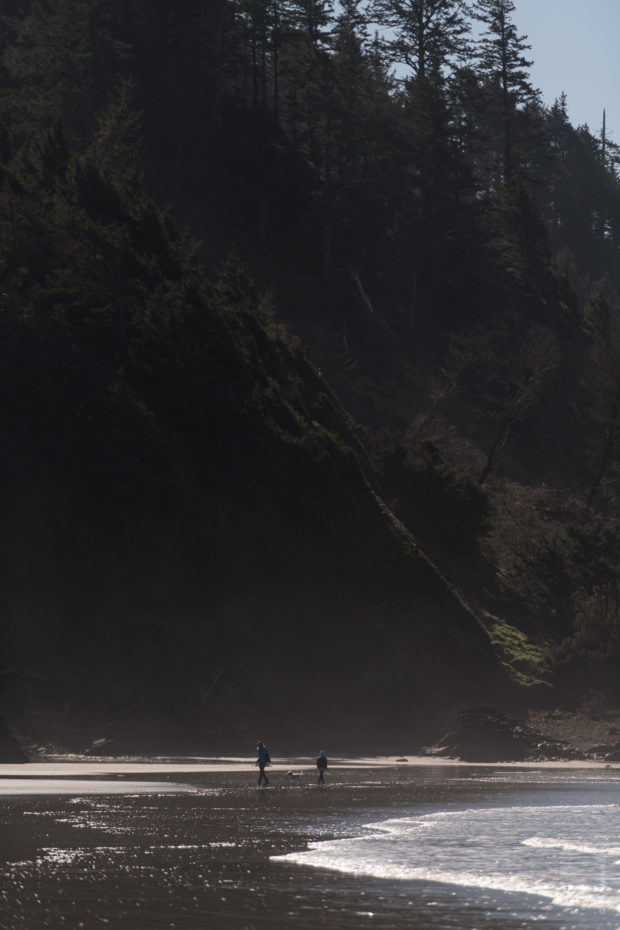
{"x": 210, "y": 848}
{"x": 72, "y": 767}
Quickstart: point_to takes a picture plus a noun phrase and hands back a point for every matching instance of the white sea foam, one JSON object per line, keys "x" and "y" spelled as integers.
{"x": 562, "y": 853}
{"x": 549, "y": 842}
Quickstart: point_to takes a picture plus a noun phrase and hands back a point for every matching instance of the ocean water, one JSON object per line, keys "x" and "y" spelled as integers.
{"x": 423, "y": 848}
{"x": 518, "y": 862}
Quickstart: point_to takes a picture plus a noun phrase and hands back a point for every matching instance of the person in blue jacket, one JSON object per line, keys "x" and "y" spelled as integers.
{"x": 263, "y": 759}
{"x": 321, "y": 764}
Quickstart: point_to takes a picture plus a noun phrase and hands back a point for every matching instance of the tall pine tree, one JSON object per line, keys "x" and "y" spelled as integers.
{"x": 423, "y": 35}
{"x": 505, "y": 69}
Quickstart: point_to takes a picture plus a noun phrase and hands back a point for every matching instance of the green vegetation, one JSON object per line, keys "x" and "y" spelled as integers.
{"x": 527, "y": 664}
{"x": 290, "y": 315}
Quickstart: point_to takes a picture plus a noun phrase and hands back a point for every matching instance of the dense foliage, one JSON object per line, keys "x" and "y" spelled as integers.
{"x": 383, "y": 218}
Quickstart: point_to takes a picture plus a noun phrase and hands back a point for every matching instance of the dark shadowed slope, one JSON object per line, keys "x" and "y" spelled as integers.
{"x": 191, "y": 530}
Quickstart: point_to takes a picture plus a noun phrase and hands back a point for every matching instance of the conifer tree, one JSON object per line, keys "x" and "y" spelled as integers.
{"x": 255, "y": 50}
{"x": 305, "y": 72}
{"x": 439, "y": 181}
{"x": 553, "y": 193}
{"x": 604, "y": 383}
{"x": 579, "y": 196}
{"x": 423, "y": 35}
{"x": 429, "y": 37}
{"x": 50, "y": 64}
{"x": 115, "y": 148}
{"x": 356, "y": 141}
{"x": 311, "y": 19}
{"x": 505, "y": 69}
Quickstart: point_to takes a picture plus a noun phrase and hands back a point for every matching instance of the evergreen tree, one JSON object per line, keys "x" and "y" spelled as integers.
{"x": 555, "y": 170}
{"x": 50, "y": 66}
{"x": 438, "y": 209}
{"x": 256, "y": 37}
{"x": 306, "y": 108}
{"x": 505, "y": 70}
{"x": 311, "y": 19}
{"x": 601, "y": 323}
{"x": 579, "y": 196}
{"x": 356, "y": 143}
{"x": 116, "y": 147}
{"x": 424, "y": 35}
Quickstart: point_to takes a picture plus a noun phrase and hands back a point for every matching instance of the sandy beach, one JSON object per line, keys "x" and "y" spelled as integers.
{"x": 81, "y": 767}
{"x": 190, "y": 846}
{"x": 195, "y": 844}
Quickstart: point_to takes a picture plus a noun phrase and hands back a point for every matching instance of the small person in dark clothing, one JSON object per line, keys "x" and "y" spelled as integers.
{"x": 321, "y": 764}
{"x": 263, "y": 759}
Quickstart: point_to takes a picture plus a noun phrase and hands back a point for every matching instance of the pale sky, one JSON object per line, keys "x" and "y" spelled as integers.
{"x": 575, "y": 49}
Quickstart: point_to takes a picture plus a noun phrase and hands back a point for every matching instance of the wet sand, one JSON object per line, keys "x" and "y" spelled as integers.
{"x": 191, "y": 844}
{"x": 80, "y": 766}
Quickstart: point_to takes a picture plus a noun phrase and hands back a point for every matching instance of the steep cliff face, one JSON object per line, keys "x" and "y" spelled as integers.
{"x": 192, "y": 530}
{"x": 276, "y": 589}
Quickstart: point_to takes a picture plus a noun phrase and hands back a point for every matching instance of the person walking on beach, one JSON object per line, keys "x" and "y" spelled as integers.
{"x": 321, "y": 764}
{"x": 263, "y": 759}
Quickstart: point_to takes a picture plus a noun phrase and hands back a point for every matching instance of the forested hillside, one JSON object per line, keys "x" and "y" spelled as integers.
{"x": 310, "y": 366}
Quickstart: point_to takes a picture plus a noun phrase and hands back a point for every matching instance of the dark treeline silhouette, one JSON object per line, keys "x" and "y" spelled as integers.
{"x": 295, "y": 297}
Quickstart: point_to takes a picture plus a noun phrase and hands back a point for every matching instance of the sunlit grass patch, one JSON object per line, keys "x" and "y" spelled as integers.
{"x": 526, "y": 662}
